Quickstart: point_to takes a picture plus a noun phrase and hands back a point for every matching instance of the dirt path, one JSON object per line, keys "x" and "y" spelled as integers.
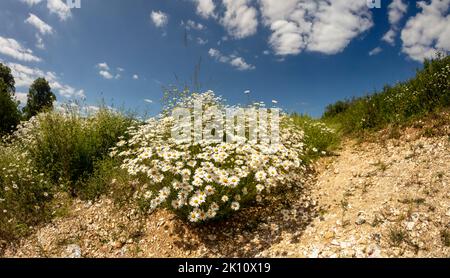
{"x": 389, "y": 199}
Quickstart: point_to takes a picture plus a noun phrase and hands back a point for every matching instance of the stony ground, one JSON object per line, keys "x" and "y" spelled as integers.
{"x": 386, "y": 198}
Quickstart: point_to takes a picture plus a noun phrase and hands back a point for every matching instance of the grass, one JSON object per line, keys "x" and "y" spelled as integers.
{"x": 319, "y": 139}
{"x": 70, "y": 147}
{"x": 427, "y": 92}
{"x": 397, "y": 236}
{"x": 445, "y": 237}
{"x": 51, "y": 154}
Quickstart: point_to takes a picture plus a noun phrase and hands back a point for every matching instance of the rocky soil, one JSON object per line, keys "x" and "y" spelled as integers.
{"x": 386, "y": 198}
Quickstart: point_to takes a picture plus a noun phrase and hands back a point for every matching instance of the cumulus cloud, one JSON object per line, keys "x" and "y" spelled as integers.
{"x": 240, "y": 18}
{"x": 60, "y": 8}
{"x": 10, "y": 47}
{"x": 237, "y": 62}
{"x": 396, "y": 10}
{"x": 321, "y": 26}
{"x": 135, "y": 77}
{"x": 106, "y": 73}
{"x": 103, "y": 66}
{"x": 205, "y": 8}
{"x": 24, "y": 77}
{"x": 375, "y": 51}
{"x": 159, "y": 18}
{"x": 40, "y": 25}
{"x": 428, "y": 31}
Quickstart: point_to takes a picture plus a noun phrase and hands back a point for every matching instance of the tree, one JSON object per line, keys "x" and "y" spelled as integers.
{"x": 40, "y": 97}
{"x": 9, "y": 111}
{"x": 7, "y": 78}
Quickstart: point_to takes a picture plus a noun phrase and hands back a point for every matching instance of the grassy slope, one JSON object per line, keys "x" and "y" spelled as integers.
{"x": 427, "y": 92}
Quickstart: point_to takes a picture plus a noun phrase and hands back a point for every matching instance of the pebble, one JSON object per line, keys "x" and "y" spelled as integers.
{"x": 72, "y": 251}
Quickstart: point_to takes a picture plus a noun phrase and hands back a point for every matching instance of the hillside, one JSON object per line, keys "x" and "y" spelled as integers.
{"x": 386, "y": 198}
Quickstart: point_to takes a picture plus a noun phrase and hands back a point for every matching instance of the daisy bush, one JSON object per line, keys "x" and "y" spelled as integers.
{"x": 207, "y": 179}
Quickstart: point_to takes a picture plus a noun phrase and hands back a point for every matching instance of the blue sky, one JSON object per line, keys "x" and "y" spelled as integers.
{"x": 304, "y": 54}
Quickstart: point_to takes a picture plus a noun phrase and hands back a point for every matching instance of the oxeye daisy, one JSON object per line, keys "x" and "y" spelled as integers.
{"x": 235, "y": 206}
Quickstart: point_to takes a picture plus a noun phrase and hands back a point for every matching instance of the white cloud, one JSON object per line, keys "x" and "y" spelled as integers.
{"x": 428, "y": 31}
{"x": 240, "y": 64}
{"x": 135, "y": 77}
{"x": 106, "y": 74}
{"x": 375, "y": 51}
{"x": 21, "y": 97}
{"x": 205, "y": 8}
{"x": 148, "y": 100}
{"x": 40, "y": 25}
{"x": 31, "y": 2}
{"x": 39, "y": 42}
{"x": 159, "y": 18}
{"x": 14, "y": 49}
{"x": 396, "y": 10}
{"x": 105, "y": 71}
{"x": 321, "y": 26}
{"x": 201, "y": 41}
{"x": 24, "y": 77}
{"x": 103, "y": 66}
{"x": 190, "y": 24}
{"x": 59, "y": 8}
{"x": 233, "y": 60}
{"x": 389, "y": 37}
{"x": 240, "y": 19}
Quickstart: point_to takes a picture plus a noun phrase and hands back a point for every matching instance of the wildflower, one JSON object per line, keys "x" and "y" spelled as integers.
{"x": 148, "y": 194}
{"x": 260, "y": 176}
{"x": 258, "y": 198}
{"x": 259, "y": 187}
{"x": 234, "y": 181}
{"x": 209, "y": 190}
{"x": 176, "y": 204}
{"x": 225, "y": 198}
{"x": 194, "y": 202}
{"x": 235, "y": 206}
{"x": 272, "y": 171}
{"x": 194, "y": 216}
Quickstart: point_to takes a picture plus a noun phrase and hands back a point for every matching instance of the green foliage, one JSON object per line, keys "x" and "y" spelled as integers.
{"x": 427, "y": 92}
{"x": 107, "y": 173}
{"x": 40, "y": 98}
{"x": 319, "y": 138}
{"x": 68, "y": 145}
{"x": 25, "y": 192}
{"x": 9, "y": 111}
{"x": 7, "y": 78}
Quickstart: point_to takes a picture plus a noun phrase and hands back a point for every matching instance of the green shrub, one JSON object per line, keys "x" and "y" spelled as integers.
{"x": 319, "y": 139}
{"x": 25, "y": 193}
{"x": 68, "y": 145}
